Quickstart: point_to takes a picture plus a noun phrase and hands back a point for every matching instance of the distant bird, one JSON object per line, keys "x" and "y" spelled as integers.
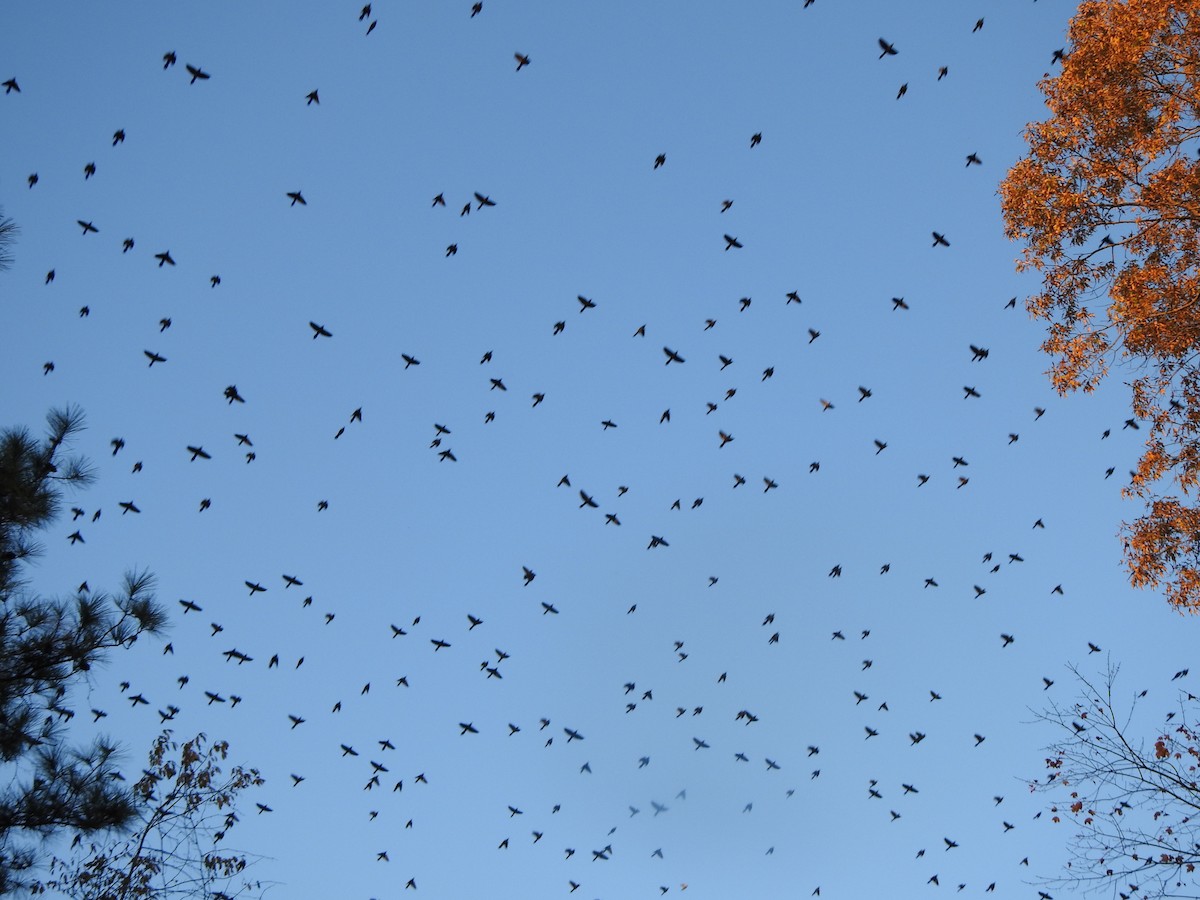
{"x": 898, "y": 303}
{"x": 319, "y": 330}
{"x": 215, "y": 280}
{"x": 127, "y": 245}
{"x": 32, "y": 179}
{"x": 725, "y": 438}
{"x": 725, "y": 204}
{"x": 87, "y": 226}
{"x": 529, "y": 575}
{"x": 732, "y": 242}
{"x": 978, "y": 25}
{"x": 297, "y": 197}
{"x": 522, "y": 60}
{"x": 939, "y": 239}
{"x": 943, "y": 71}
{"x": 476, "y": 9}
{"x": 409, "y": 360}
{"x": 164, "y": 257}
{"x": 89, "y": 170}
{"x": 452, "y": 249}
{"x": 118, "y": 136}
{"x": 887, "y": 49}
{"x": 154, "y": 357}
{"x": 660, "y": 160}
{"x": 196, "y": 72}
{"x": 672, "y": 356}
{"x": 755, "y": 139}
{"x": 483, "y": 201}
{"x": 973, "y": 159}
{"x": 903, "y": 90}
{"x": 312, "y": 97}
{"x": 168, "y": 59}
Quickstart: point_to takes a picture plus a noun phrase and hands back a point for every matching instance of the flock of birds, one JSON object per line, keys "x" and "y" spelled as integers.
{"x": 710, "y": 711}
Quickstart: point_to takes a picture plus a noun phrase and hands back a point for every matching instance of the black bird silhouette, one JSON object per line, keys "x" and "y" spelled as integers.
{"x": 196, "y": 72}
{"x": 731, "y": 241}
{"x": 312, "y": 97}
{"x": 672, "y": 356}
{"x": 319, "y": 330}
{"x": 887, "y": 49}
{"x": 939, "y": 239}
{"x": 522, "y": 60}
{"x": 154, "y": 357}
{"x": 660, "y": 160}
{"x": 297, "y": 197}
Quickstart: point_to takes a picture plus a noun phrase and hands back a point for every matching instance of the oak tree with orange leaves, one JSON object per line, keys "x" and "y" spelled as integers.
{"x": 178, "y": 847}
{"x": 1107, "y": 206}
{"x": 1131, "y": 803}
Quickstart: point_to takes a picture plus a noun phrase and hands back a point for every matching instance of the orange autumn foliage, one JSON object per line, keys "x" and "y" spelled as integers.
{"x": 1107, "y": 206}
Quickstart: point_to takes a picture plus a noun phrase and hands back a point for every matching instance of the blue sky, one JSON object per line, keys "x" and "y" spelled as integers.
{"x": 837, "y": 203}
